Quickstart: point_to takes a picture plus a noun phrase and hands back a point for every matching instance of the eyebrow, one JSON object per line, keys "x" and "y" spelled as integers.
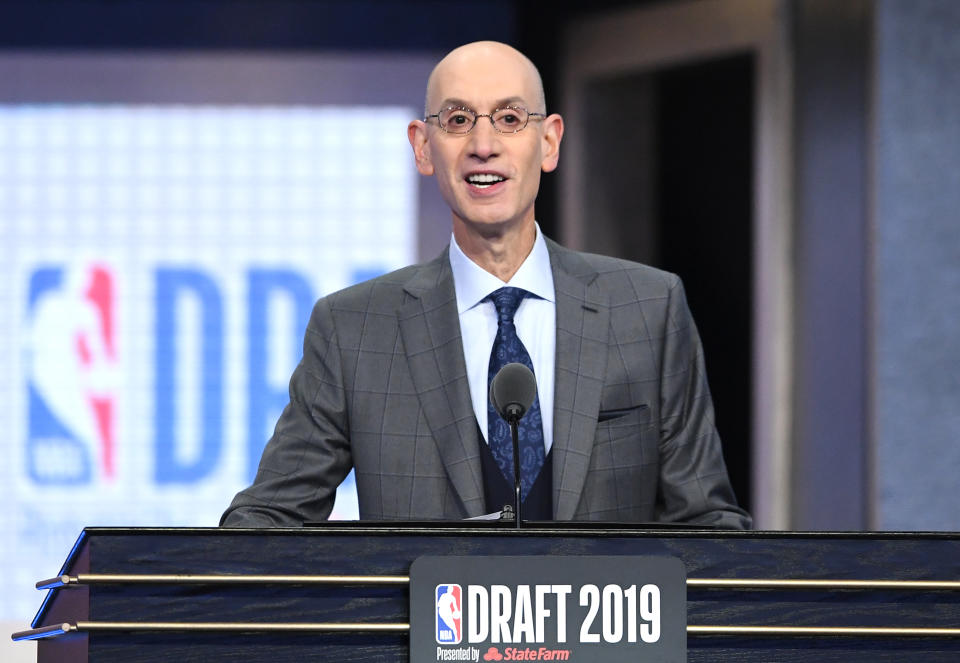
{"x": 501, "y": 103}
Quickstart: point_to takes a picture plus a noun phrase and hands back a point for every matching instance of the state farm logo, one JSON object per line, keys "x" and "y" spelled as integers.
{"x": 526, "y": 654}
{"x": 71, "y": 362}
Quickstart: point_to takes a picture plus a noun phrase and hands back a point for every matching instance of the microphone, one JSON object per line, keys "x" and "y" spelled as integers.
{"x": 512, "y": 391}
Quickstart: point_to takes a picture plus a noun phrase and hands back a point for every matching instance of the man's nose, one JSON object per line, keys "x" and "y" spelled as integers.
{"x": 484, "y": 139}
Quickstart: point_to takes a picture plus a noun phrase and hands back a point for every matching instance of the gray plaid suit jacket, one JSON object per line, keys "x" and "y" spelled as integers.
{"x": 383, "y": 387}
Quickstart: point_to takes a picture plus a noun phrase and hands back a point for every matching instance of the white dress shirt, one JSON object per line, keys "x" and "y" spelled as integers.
{"x": 535, "y": 320}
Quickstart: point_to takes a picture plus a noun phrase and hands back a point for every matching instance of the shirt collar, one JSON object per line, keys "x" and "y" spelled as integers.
{"x": 473, "y": 283}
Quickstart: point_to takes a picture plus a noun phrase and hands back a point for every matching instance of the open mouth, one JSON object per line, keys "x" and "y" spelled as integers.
{"x": 484, "y": 180}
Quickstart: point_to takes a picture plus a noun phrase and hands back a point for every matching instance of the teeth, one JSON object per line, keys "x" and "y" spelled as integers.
{"x": 483, "y": 180}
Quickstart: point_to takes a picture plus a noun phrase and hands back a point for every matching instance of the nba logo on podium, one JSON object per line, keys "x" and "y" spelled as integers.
{"x": 449, "y": 616}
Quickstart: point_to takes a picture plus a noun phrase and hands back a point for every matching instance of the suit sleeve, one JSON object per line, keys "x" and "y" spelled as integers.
{"x": 309, "y": 453}
{"x": 694, "y": 486}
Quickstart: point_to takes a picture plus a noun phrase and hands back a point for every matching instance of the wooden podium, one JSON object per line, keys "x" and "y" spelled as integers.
{"x": 339, "y": 592}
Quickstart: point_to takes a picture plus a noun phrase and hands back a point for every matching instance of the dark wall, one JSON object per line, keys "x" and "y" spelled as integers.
{"x": 380, "y": 25}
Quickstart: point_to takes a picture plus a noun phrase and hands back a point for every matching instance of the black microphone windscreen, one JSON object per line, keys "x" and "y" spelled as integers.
{"x": 514, "y": 384}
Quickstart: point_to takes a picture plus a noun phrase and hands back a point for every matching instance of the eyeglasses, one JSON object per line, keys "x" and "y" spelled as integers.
{"x": 459, "y": 120}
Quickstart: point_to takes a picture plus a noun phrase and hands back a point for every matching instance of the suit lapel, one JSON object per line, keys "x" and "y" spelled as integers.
{"x": 430, "y": 328}
{"x": 583, "y": 319}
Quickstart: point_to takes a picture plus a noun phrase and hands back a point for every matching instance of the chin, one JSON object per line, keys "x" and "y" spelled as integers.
{"x": 493, "y": 216}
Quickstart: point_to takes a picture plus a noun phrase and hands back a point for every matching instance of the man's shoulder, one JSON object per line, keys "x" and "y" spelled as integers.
{"x": 616, "y": 275}
{"x": 386, "y": 292}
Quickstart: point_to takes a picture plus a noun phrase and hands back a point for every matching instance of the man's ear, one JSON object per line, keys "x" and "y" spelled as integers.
{"x": 417, "y": 135}
{"x": 550, "y": 141}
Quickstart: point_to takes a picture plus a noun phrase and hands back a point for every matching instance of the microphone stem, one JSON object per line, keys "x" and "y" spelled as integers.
{"x": 515, "y": 434}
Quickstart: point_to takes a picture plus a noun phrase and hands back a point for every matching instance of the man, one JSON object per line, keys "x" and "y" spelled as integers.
{"x": 395, "y": 371}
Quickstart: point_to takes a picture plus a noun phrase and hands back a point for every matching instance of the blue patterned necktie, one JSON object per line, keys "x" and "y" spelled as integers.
{"x": 508, "y": 348}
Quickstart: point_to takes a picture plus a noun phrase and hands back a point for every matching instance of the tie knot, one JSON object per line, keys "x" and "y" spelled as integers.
{"x": 507, "y": 300}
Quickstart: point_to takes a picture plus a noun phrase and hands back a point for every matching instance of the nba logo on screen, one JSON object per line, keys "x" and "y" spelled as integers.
{"x": 71, "y": 363}
{"x": 449, "y": 616}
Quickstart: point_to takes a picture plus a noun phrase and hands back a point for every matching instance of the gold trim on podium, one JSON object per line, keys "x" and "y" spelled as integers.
{"x": 697, "y": 583}
{"x": 218, "y": 579}
{"x": 798, "y": 583}
{"x": 825, "y": 630}
{"x": 210, "y": 627}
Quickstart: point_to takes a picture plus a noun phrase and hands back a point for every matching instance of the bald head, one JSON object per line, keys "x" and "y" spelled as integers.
{"x": 459, "y": 70}
{"x": 489, "y": 174}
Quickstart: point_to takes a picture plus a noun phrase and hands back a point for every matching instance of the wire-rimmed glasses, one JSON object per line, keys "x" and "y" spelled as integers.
{"x": 460, "y": 120}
